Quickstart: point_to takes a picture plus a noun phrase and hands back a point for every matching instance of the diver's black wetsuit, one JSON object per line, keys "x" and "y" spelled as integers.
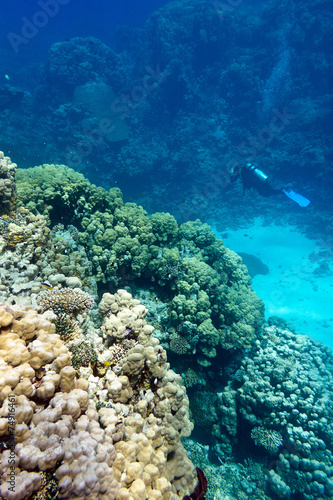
{"x": 254, "y": 178}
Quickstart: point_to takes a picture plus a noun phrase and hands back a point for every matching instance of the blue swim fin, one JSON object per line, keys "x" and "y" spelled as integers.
{"x": 301, "y": 200}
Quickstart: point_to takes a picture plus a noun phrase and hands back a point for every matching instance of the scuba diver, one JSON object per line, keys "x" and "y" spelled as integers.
{"x": 252, "y": 177}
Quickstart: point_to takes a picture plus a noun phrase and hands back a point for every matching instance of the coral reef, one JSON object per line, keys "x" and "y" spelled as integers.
{"x": 102, "y": 377}
{"x": 7, "y": 185}
{"x": 202, "y": 86}
{"x": 206, "y": 287}
{"x": 129, "y": 449}
{"x": 72, "y": 301}
{"x": 283, "y": 391}
{"x": 30, "y": 256}
{"x": 81, "y": 60}
{"x": 249, "y": 103}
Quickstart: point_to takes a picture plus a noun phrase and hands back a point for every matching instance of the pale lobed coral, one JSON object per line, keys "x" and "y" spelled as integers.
{"x": 29, "y": 256}
{"x": 23, "y": 248}
{"x": 49, "y": 420}
{"x": 7, "y": 185}
{"x": 142, "y": 379}
{"x": 41, "y": 405}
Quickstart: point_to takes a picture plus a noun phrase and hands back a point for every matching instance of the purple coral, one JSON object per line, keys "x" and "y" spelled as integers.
{"x": 200, "y": 489}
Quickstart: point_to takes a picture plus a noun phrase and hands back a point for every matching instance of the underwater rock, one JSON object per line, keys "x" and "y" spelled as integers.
{"x": 10, "y": 97}
{"x": 253, "y": 264}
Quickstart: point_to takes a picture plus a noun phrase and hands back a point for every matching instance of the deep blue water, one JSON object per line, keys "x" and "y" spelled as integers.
{"x": 228, "y": 83}
{"x": 74, "y": 18}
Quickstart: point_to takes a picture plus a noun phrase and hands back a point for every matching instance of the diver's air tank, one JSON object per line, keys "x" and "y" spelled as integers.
{"x": 259, "y": 174}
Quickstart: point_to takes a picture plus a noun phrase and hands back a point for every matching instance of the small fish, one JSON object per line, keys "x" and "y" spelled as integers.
{"x": 107, "y": 363}
{"x": 47, "y": 285}
{"x": 3, "y": 220}
{"x": 246, "y": 235}
{"x": 156, "y": 299}
{"x": 40, "y": 244}
{"x": 7, "y": 77}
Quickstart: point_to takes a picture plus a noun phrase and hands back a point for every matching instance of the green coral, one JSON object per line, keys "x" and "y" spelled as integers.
{"x": 197, "y": 232}
{"x": 50, "y": 189}
{"x": 164, "y": 226}
{"x": 83, "y": 354}
{"x": 208, "y": 333}
{"x": 205, "y": 285}
{"x": 203, "y": 408}
{"x": 136, "y": 222}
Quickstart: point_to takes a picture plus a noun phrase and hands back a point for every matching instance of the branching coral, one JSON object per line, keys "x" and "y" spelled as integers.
{"x": 66, "y": 303}
{"x": 72, "y": 301}
{"x": 83, "y": 354}
{"x": 66, "y": 326}
{"x": 268, "y": 438}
